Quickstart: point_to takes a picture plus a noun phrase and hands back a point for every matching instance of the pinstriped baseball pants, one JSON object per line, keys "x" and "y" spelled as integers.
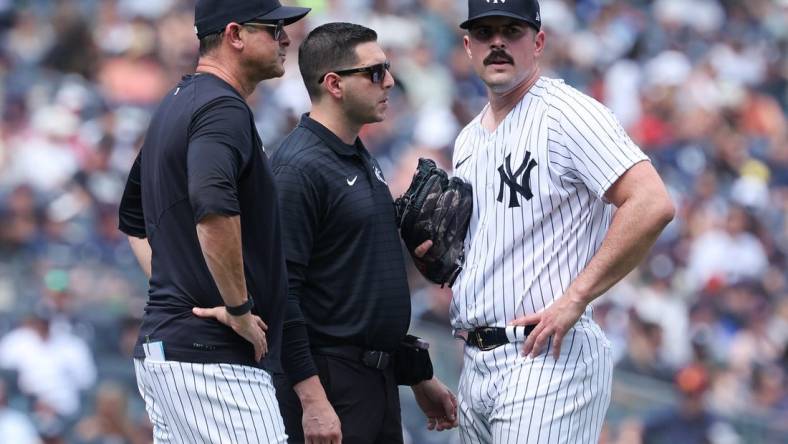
{"x": 506, "y": 398}
{"x": 209, "y": 403}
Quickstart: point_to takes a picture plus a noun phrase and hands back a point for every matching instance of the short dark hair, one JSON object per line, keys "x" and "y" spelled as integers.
{"x": 328, "y": 48}
{"x": 210, "y": 42}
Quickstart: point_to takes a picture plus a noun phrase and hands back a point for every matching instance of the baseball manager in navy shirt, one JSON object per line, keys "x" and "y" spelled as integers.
{"x": 200, "y": 209}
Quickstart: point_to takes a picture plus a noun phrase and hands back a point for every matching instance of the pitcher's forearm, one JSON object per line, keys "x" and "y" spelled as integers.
{"x": 635, "y": 227}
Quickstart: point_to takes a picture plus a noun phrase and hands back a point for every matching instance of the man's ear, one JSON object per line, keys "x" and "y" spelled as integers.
{"x": 332, "y": 85}
{"x": 466, "y": 42}
{"x": 539, "y": 43}
{"x": 232, "y": 33}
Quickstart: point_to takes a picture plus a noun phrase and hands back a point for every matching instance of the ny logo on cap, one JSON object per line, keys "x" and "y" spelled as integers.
{"x": 496, "y": 1}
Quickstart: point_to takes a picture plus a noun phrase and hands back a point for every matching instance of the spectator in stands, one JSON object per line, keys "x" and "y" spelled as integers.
{"x": 15, "y": 426}
{"x": 54, "y": 367}
{"x": 110, "y": 422}
{"x": 690, "y": 422}
{"x": 643, "y": 350}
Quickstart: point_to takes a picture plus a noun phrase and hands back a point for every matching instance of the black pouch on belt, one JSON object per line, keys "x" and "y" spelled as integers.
{"x": 412, "y": 363}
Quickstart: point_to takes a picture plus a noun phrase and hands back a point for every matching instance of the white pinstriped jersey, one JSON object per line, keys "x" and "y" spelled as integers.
{"x": 539, "y": 214}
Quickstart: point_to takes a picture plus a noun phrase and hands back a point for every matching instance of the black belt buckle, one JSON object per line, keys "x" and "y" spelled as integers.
{"x": 375, "y": 359}
{"x": 480, "y": 333}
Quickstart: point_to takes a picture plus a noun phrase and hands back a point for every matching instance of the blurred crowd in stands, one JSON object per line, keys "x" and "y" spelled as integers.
{"x": 700, "y": 330}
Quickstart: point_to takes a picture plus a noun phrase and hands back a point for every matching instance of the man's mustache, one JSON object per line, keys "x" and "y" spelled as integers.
{"x": 498, "y": 56}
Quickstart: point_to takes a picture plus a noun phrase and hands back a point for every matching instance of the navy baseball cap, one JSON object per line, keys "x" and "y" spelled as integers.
{"x": 212, "y": 16}
{"x": 525, "y": 10}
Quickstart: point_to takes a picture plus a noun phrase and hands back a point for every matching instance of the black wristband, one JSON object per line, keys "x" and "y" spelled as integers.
{"x": 412, "y": 363}
{"x": 240, "y": 310}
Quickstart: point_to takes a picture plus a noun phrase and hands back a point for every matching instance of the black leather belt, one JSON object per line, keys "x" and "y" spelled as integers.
{"x": 488, "y": 338}
{"x": 371, "y": 358}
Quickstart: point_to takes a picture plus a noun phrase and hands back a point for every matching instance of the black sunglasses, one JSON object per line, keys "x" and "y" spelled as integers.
{"x": 376, "y": 72}
{"x": 278, "y": 27}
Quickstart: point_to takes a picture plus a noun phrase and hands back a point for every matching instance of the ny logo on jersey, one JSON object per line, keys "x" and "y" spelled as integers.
{"x": 509, "y": 178}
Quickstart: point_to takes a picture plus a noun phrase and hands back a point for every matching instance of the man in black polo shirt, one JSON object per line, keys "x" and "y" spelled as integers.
{"x": 348, "y": 301}
{"x": 200, "y": 209}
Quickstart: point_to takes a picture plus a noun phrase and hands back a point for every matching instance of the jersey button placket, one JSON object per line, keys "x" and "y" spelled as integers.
{"x": 490, "y": 155}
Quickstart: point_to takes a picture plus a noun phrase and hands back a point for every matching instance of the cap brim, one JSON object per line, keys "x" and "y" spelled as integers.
{"x": 290, "y": 14}
{"x": 498, "y": 13}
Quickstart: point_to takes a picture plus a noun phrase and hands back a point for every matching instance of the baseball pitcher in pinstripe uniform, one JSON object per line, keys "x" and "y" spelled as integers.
{"x": 565, "y": 205}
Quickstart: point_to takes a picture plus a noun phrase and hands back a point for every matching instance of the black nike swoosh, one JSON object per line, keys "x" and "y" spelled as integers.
{"x": 459, "y": 164}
